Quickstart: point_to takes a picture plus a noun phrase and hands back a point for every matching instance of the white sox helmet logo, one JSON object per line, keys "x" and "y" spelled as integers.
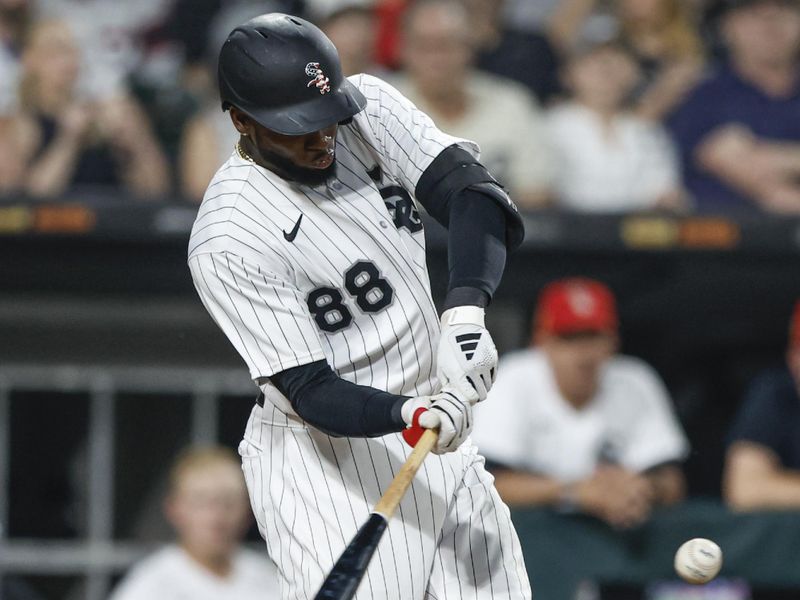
{"x": 321, "y": 82}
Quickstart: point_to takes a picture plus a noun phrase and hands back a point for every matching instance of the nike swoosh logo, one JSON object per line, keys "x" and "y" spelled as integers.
{"x": 289, "y": 237}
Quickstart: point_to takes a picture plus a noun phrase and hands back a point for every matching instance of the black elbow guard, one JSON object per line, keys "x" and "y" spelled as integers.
{"x": 455, "y": 170}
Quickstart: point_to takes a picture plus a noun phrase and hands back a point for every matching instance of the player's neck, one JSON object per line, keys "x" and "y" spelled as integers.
{"x": 221, "y": 566}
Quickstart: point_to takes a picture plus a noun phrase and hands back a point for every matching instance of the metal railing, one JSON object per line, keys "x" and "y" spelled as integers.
{"x": 98, "y": 556}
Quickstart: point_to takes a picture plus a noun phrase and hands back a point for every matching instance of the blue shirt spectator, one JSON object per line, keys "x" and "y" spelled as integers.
{"x": 770, "y": 417}
{"x": 762, "y": 462}
{"x": 739, "y": 130}
{"x": 725, "y": 99}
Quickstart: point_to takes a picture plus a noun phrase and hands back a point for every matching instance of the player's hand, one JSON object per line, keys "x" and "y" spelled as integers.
{"x": 446, "y": 411}
{"x": 467, "y": 358}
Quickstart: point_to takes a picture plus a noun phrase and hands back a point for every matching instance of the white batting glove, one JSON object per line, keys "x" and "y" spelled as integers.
{"x": 446, "y": 411}
{"x": 466, "y": 358}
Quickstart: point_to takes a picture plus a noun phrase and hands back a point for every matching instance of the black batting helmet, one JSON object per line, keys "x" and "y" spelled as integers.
{"x": 285, "y": 73}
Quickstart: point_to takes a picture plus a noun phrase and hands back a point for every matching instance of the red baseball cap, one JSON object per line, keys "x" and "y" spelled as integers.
{"x": 576, "y": 304}
{"x": 794, "y": 327}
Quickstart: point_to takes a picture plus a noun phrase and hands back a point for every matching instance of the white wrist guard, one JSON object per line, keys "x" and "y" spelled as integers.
{"x": 463, "y": 315}
{"x": 466, "y": 358}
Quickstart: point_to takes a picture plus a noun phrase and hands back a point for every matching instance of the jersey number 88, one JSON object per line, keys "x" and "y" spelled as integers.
{"x": 364, "y": 283}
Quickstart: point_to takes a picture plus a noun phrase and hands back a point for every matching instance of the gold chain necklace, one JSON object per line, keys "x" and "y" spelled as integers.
{"x": 242, "y": 153}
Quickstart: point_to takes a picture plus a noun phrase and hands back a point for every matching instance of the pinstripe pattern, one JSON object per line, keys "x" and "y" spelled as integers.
{"x": 452, "y": 537}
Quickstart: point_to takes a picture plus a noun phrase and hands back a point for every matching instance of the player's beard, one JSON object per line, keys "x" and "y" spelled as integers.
{"x": 285, "y": 168}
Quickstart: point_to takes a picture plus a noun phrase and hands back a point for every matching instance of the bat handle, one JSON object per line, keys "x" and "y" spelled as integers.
{"x": 397, "y": 489}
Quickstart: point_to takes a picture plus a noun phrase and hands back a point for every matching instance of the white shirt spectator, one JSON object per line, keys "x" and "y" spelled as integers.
{"x": 504, "y": 119}
{"x": 170, "y": 574}
{"x": 623, "y": 166}
{"x": 109, "y": 34}
{"x": 526, "y": 424}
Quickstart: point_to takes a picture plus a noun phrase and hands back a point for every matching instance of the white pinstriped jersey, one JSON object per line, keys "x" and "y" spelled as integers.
{"x": 294, "y": 274}
{"x": 356, "y": 264}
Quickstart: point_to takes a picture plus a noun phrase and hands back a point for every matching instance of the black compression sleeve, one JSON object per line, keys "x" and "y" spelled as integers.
{"x": 455, "y": 170}
{"x": 336, "y": 406}
{"x": 476, "y": 249}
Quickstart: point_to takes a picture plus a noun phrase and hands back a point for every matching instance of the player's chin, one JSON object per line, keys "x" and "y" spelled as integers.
{"x": 314, "y": 175}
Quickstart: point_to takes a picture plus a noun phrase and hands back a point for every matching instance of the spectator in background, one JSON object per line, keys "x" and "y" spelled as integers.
{"x": 207, "y": 505}
{"x": 351, "y": 27}
{"x": 390, "y": 16}
{"x": 499, "y": 114}
{"x": 572, "y": 425}
{"x": 662, "y": 37}
{"x": 15, "y": 19}
{"x": 739, "y": 131}
{"x": 15, "y": 16}
{"x": 115, "y": 39}
{"x": 607, "y": 159}
{"x": 524, "y": 56}
{"x": 207, "y": 141}
{"x": 762, "y": 464}
{"x": 207, "y": 137}
{"x": 10, "y": 165}
{"x": 529, "y": 16}
{"x": 63, "y": 140}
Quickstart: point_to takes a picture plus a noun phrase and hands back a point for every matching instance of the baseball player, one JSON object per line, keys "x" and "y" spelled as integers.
{"x": 308, "y": 252}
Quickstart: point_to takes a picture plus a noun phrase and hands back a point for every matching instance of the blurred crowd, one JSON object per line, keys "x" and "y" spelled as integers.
{"x": 584, "y": 105}
{"x": 572, "y": 388}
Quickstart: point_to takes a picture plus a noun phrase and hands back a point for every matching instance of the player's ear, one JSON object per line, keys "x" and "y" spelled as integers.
{"x": 241, "y": 121}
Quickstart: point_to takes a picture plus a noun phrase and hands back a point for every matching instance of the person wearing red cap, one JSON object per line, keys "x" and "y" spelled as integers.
{"x": 572, "y": 424}
{"x": 762, "y": 462}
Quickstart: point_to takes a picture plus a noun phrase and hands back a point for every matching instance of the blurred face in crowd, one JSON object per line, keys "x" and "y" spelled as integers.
{"x": 644, "y": 13}
{"x": 209, "y": 510}
{"x": 353, "y": 34}
{"x": 602, "y": 78}
{"x": 490, "y": 11}
{"x": 437, "y": 48}
{"x": 51, "y": 57}
{"x": 577, "y": 360}
{"x": 765, "y": 33}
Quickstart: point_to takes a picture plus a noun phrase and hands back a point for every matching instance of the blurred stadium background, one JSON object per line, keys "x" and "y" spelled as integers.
{"x": 109, "y": 365}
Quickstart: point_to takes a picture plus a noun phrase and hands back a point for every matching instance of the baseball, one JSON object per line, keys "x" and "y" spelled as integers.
{"x": 698, "y": 560}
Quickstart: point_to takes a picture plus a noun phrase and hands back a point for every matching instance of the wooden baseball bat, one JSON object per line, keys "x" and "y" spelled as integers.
{"x": 342, "y": 582}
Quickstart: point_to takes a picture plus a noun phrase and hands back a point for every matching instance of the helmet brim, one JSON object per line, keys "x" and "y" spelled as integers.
{"x": 312, "y": 115}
